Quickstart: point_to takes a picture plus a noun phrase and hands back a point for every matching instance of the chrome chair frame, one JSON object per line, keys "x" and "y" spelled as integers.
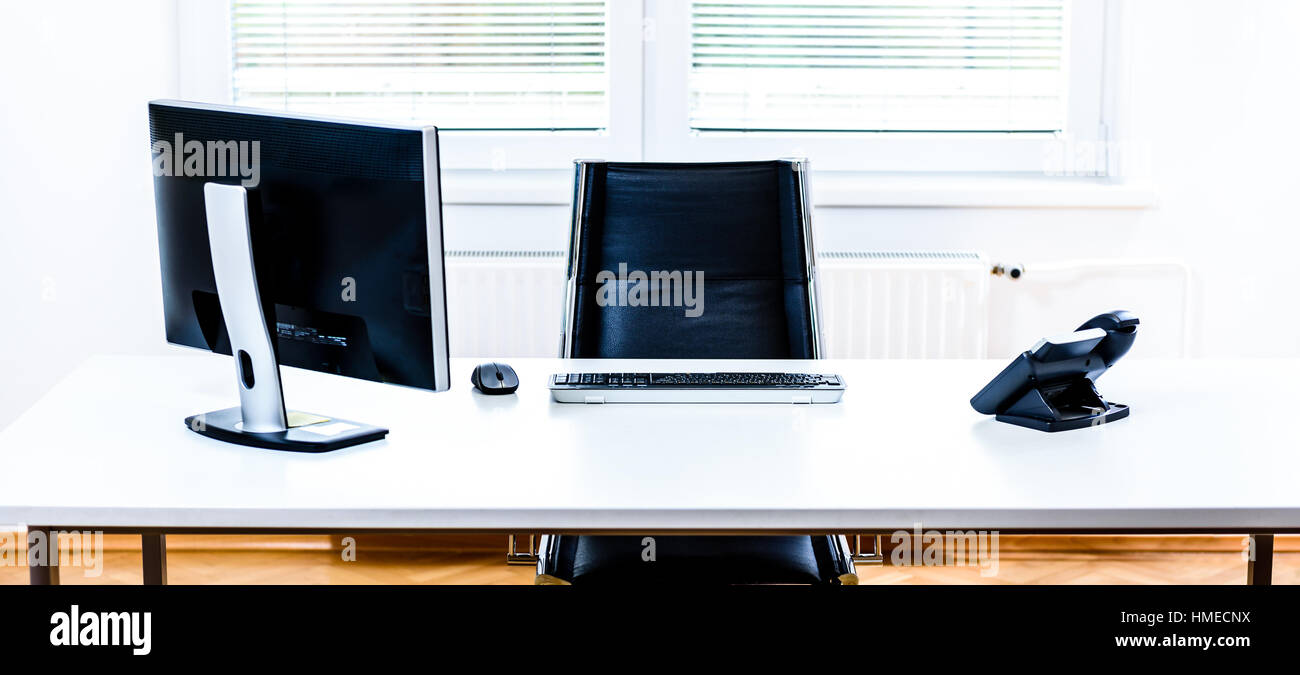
{"x": 875, "y": 557}
{"x": 514, "y": 556}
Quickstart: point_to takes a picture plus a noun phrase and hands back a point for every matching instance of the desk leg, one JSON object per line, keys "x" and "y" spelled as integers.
{"x": 153, "y": 550}
{"x": 1259, "y": 570}
{"x": 48, "y": 573}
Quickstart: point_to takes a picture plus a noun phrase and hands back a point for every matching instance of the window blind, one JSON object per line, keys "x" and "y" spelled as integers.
{"x": 467, "y": 64}
{"x": 899, "y": 65}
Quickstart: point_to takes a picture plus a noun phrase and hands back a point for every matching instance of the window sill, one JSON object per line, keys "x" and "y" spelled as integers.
{"x": 841, "y": 190}
{"x": 977, "y": 191}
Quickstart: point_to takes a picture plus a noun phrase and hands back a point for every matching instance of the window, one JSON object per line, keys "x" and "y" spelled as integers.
{"x": 900, "y": 86}
{"x": 904, "y": 65}
{"x": 490, "y": 64}
{"x": 857, "y": 85}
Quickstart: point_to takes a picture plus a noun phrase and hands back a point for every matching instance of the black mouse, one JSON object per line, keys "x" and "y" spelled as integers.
{"x": 495, "y": 378}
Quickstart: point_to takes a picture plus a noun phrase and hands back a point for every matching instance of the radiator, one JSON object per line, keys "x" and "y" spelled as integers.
{"x": 878, "y": 304}
{"x": 503, "y": 304}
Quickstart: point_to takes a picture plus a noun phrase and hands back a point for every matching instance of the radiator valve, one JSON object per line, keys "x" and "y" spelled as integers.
{"x": 1013, "y": 271}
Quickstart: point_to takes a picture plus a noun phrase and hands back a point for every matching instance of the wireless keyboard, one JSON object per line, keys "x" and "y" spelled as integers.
{"x": 696, "y": 388}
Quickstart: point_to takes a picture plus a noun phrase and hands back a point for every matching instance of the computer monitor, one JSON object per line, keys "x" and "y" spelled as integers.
{"x": 299, "y": 241}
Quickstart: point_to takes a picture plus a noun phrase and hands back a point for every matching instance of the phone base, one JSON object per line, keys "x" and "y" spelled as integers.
{"x": 1116, "y": 411}
{"x": 1063, "y": 405}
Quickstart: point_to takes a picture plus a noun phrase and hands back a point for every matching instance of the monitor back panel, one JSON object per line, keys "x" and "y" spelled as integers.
{"x": 341, "y": 240}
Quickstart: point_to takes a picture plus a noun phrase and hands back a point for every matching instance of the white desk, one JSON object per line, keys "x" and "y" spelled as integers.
{"x": 1211, "y": 446}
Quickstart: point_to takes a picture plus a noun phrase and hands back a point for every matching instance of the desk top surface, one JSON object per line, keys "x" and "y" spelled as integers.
{"x": 1210, "y": 444}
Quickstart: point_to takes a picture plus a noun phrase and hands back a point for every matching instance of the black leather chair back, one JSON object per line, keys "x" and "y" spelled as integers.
{"x": 742, "y": 225}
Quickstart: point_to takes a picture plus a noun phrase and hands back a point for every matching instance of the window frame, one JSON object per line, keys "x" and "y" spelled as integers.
{"x": 648, "y": 56}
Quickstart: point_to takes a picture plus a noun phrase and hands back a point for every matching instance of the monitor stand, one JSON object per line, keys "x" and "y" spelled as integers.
{"x": 261, "y": 419}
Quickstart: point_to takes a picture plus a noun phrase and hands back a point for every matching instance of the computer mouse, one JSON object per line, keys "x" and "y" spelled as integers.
{"x": 495, "y": 378}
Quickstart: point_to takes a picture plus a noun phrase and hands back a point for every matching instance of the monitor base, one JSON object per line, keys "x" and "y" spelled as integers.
{"x": 306, "y": 433}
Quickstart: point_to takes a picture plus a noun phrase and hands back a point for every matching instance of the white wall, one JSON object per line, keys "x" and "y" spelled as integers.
{"x": 78, "y": 249}
{"x": 1210, "y": 93}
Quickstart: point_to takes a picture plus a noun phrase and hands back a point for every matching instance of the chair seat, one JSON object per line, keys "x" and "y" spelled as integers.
{"x": 695, "y": 560}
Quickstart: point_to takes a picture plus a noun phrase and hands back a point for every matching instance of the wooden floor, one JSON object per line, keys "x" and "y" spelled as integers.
{"x": 1058, "y": 560}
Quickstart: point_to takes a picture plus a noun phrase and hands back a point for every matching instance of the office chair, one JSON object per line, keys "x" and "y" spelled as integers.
{"x": 747, "y": 226}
